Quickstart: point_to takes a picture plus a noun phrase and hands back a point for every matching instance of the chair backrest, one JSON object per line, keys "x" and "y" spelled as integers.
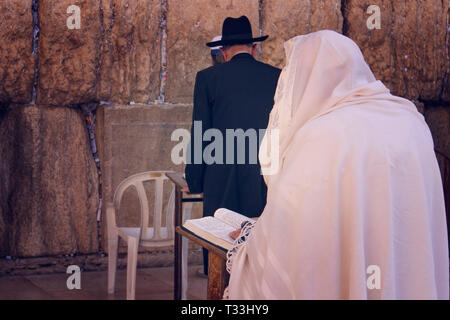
{"x": 137, "y": 181}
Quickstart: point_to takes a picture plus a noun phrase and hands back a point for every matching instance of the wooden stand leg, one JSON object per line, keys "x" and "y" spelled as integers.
{"x": 217, "y": 276}
{"x": 178, "y": 246}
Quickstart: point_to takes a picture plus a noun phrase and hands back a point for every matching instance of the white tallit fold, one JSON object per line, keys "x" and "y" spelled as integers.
{"x": 358, "y": 186}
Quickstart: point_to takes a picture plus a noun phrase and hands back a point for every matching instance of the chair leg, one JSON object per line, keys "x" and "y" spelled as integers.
{"x": 133, "y": 245}
{"x": 113, "y": 247}
{"x": 184, "y": 268}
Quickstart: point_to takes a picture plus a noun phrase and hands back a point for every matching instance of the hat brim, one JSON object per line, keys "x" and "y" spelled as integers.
{"x": 235, "y": 41}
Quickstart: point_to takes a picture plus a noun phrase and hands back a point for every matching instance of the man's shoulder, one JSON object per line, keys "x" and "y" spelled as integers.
{"x": 208, "y": 72}
{"x": 269, "y": 67}
{"x": 211, "y": 69}
{"x": 220, "y": 68}
{"x": 259, "y": 64}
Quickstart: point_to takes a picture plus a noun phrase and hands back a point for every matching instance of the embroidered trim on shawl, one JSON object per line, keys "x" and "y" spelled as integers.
{"x": 238, "y": 243}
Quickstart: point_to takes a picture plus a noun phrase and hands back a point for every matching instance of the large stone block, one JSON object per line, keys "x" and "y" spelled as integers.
{"x": 68, "y": 58}
{"x": 438, "y": 119}
{"x": 134, "y": 139}
{"x": 50, "y": 183}
{"x": 282, "y": 21}
{"x": 16, "y": 58}
{"x": 190, "y": 25}
{"x": 6, "y": 161}
{"x": 91, "y": 262}
{"x": 409, "y": 52}
{"x": 114, "y": 56}
{"x": 131, "y": 59}
{"x": 446, "y": 89}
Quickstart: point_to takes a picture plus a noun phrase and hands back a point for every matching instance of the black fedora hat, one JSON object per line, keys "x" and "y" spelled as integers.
{"x": 236, "y": 31}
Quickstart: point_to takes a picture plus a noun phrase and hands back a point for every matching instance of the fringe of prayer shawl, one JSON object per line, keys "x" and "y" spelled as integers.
{"x": 238, "y": 243}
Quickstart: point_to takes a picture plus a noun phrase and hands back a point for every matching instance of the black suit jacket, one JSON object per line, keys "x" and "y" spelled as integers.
{"x": 238, "y": 94}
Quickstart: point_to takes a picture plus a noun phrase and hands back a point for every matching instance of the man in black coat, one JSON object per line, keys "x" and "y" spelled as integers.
{"x": 232, "y": 100}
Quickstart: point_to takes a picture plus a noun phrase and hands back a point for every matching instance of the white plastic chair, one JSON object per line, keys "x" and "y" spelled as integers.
{"x": 156, "y": 236}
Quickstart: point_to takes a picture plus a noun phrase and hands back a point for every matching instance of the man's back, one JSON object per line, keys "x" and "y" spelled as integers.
{"x": 236, "y": 95}
{"x": 242, "y": 92}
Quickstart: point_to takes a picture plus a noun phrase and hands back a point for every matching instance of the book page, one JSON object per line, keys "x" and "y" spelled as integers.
{"x": 232, "y": 218}
{"x": 212, "y": 226}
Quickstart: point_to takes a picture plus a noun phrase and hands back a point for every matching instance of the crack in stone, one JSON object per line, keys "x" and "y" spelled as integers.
{"x": 101, "y": 48}
{"x": 89, "y": 110}
{"x": 91, "y": 126}
{"x": 89, "y": 113}
{"x": 260, "y": 17}
{"x": 444, "y": 83}
{"x": 344, "y": 17}
{"x": 163, "y": 70}
{"x": 35, "y": 49}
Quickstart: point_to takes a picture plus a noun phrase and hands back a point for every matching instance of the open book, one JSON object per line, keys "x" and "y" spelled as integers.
{"x": 217, "y": 229}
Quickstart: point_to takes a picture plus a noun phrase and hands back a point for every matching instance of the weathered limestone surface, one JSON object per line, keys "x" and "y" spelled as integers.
{"x": 50, "y": 183}
{"x": 90, "y": 262}
{"x": 134, "y": 139}
{"x": 282, "y": 21}
{"x": 16, "y": 59}
{"x": 438, "y": 119}
{"x": 6, "y": 160}
{"x": 115, "y": 56}
{"x": 190, "y": 25}
{"x": 409, "y": 52}
{"x": 446, "y": 89}
{"x": 131, "y": 57}
{"x": 68, "y": 58}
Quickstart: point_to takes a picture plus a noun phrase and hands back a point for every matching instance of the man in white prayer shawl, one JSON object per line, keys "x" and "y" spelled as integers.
{"x": 356, "y": 210}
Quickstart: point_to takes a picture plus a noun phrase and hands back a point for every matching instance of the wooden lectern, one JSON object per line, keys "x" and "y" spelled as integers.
{"x": 217, "y": 274}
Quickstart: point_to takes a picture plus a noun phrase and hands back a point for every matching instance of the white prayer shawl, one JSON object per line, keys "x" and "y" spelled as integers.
{"x": 359, "y": 186}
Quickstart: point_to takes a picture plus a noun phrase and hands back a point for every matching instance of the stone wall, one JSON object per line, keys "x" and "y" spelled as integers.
{"x": 50, "y": 194}
{"x": 137, "y": 60}
{"x": 16, "y": 59}
{"x": 131, "y": 51}
{"x": 134, "y": 139}
{"x": 410, "y": 51}
{"x": 287, "y": 19}
{"x": 144, "y": 50}
{"x": 189, "y": 27}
